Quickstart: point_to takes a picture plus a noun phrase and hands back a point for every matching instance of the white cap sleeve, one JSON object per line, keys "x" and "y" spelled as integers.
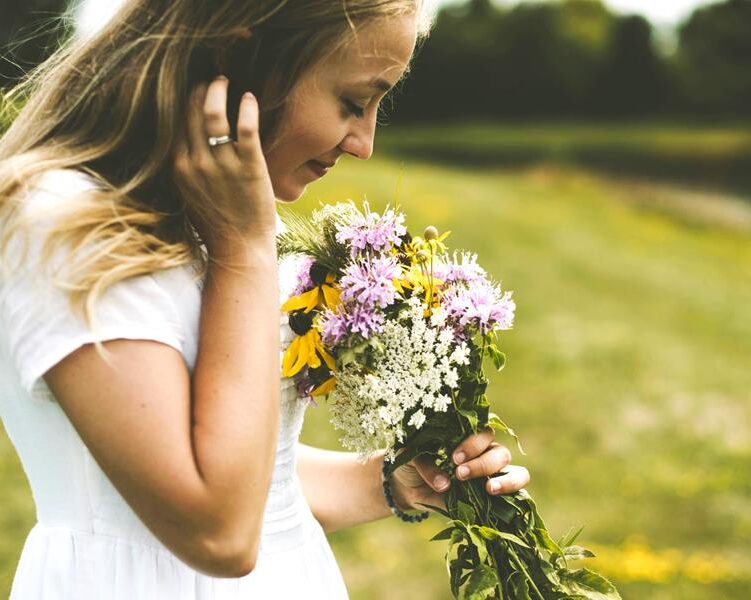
{"x": 40, "y": 328}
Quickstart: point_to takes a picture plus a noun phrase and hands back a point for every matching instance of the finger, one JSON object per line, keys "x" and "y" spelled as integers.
{"x": 495, "y": 458}
{"x": 215, "y": 118}
{"x": 515, "y": 478}
{"x": 248, "y": 140}
{"x": 473, "y": 446}
{"x": 432, "y": 475}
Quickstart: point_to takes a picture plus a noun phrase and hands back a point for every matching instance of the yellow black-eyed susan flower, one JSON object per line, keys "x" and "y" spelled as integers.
{"x": 307, "y": 348}
{"x": 323, "y": 294}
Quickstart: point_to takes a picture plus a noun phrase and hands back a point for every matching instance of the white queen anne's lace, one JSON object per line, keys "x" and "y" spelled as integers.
{"x": 417, "y": 361}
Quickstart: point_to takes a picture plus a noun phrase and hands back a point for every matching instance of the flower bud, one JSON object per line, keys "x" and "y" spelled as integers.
{"x": 422, "y": 256}
{"x": 431, "y": 233}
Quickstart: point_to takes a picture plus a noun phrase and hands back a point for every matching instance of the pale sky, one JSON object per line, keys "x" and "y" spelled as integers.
{"x": 663, "y": 12}
{"x": 660, "y": 12}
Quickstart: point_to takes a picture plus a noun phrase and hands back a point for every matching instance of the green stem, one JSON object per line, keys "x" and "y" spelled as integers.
{"x": 430, "y": 281}
{"x": 520, "y": 565}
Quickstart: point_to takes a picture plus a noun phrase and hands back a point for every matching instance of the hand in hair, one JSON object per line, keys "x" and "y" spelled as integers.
{"x": 226, "y": 188}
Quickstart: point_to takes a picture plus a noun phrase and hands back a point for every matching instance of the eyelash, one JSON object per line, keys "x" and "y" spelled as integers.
{"x": 354, "y": 109}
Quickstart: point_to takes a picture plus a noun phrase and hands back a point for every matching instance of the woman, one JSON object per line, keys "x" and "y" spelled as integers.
{"x": 140, "y": 354}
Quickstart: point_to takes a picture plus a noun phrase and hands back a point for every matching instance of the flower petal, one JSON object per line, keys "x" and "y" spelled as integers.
{"x": 331, "y": 295}
{"x": 302, "y": 356}
{"x": 290, "y": 357}
{"x": 325, "y": 387}
{"x": 302, "y": 301}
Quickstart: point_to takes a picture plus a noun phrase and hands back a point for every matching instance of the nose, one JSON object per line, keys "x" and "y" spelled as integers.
{"x": 359, "y": 139}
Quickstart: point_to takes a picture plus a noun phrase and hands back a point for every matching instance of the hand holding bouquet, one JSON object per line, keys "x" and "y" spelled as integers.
{"x": 394, "y": 330}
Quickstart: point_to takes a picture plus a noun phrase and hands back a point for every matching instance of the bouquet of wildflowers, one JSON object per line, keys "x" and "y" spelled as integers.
{"x": 394, "y": 330}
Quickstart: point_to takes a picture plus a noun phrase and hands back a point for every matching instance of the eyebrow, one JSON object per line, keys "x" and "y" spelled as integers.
{"x": 378, "y": 84}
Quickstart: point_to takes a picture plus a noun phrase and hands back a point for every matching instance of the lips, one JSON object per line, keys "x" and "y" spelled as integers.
{"x": 320, "y": 169}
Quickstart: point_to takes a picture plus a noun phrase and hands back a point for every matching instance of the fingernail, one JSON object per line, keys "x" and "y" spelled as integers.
{"x": 462, "y": 471}
{"x": 495, "y": 486}
{"x": 248, "y": 96}
{"x": 441, "y": 482}
{"x": 459, "y": 458}
{"x": 222, "y": 78}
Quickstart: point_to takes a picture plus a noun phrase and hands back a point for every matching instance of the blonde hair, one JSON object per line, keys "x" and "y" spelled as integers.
{"x": 111, "y": 106}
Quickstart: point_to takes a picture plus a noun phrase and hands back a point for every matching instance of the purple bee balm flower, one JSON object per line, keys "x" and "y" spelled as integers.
{"x": 304, "y": 282}
{"x": 369, "y": 282}
{"x": 373, "y": 232}
{"x": 460, "y": 269}
{"x": 482, "y": 305}
{"x": 333, "y": 327}
{"x": 349, "y": 319}
{"x": 364, "y": 321}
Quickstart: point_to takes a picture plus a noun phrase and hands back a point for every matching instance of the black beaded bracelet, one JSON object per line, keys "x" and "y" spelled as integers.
{"x": 392, "y": 505}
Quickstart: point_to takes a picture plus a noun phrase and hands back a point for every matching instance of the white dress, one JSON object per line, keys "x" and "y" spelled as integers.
{"x": 88, "y": 544}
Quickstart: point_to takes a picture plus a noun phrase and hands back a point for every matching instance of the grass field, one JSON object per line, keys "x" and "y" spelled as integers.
{"x": 627, "y": 375}
{"x": 718, "y": 155}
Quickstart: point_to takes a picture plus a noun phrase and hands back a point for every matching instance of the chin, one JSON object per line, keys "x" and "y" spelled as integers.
{"x": 288, "y": 193}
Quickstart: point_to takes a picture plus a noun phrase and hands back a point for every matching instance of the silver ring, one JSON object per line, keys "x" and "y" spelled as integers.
{"x": 218, "y": 141}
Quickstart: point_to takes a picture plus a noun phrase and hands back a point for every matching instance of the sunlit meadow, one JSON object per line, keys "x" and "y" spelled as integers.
{"x": 627, "y": 374}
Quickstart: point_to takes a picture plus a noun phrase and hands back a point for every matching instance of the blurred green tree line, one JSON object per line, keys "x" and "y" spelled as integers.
{"x": 557, "y": 58}
{"x": 574, "y": 58}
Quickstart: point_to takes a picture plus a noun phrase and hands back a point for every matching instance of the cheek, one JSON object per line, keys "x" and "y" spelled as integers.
{"x": 312, "y": 129}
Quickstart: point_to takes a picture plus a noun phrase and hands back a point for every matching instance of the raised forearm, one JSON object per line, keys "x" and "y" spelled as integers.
{"x": 235, "y": 385}
{"x": 341, "y": 491}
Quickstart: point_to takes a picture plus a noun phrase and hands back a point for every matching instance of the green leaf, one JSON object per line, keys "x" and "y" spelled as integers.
{"x": 487, "y": 532}
{"x": 495, "y": 422}
{"x": 517, "y": 581}
{"x": 346, "y": 357}
{"x": 465, "y": 512}
{"x": 499, "y": 358}
{"x": 578, "y": 553}
{"x": 544, "y": 540}
{"x": 471, "y": 417}
{"x": 437, "y": 509}
{"x": 490, "y": 533}
{"x": 444, "y": 534}
{"x": 588, "y": 584}
{"x": 480, "y": 544}
{"x": 481, "y": 584}
{"x": 504, "y": 509}
{"x": 570, "y": 538}
{"x": 455, "y": 573}
{"x": 551, "y": 572}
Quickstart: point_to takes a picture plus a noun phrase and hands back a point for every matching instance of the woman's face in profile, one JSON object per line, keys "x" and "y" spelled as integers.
{"x": 332, "y": 109}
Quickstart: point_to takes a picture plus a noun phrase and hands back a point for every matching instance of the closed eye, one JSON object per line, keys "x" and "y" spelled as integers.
{"x": 353, "y": 108}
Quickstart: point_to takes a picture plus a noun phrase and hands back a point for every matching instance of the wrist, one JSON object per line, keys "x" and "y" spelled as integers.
{"x": 241, "y": 252}
{"x": 400, "y": 493}
{"x": 396, "y": 509}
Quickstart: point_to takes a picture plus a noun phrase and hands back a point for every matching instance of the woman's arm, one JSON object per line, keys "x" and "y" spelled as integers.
{"x": 341, "y": 491}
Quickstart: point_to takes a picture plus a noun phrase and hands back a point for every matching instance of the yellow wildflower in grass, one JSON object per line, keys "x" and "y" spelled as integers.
{"x": 635, "y": 560}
